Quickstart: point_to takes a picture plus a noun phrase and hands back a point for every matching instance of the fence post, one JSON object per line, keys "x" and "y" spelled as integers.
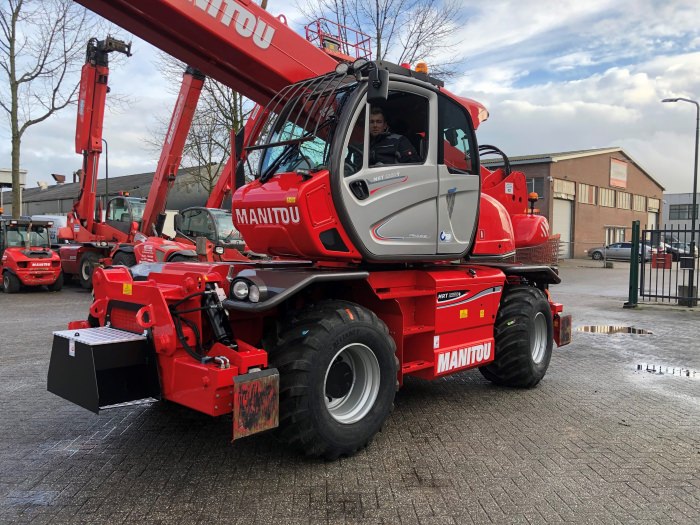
{"x": 633, "y": 296}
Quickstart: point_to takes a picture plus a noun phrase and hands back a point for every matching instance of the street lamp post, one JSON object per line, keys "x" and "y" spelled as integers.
{"x": 693, "y": 210}
{"x": 106, "y": 171}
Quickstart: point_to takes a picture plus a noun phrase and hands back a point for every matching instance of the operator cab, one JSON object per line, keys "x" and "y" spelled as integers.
{"x": 23, "y": 233}
{"x": 123, "y": 212}
{"x": 423, "y": 206}
{"x": 215, "y": 224}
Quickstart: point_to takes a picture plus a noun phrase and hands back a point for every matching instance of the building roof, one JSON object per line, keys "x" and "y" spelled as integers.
{"x": 138, "y": 185}
{"x": 545, "y": 158}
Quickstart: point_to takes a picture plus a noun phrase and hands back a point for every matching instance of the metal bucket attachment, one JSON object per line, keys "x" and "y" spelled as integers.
{"x": 97, "y": 367}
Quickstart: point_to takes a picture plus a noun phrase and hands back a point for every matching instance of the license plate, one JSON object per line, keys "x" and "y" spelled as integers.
{"x": 255, "y": 402}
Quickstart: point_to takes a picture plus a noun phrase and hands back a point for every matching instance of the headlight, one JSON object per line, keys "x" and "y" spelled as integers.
{"x": 240, "y": 290}
{"x": 254, "y": 294}
{"x": 219, "y": 250}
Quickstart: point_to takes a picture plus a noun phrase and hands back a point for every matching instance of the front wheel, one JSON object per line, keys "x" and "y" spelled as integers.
{"x": 124, "y": 259}
{"x": 338, "y": 378}
{"x": 524, "y": 338}
{"x": 183, "y": 258}
{"x": 597, "y": 256}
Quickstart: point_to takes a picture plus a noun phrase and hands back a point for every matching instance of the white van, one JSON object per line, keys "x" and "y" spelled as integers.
{"x": 58, "y": 222}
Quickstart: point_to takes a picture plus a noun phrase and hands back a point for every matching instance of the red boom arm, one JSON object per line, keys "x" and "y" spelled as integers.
{"x": 171, "y": 154}
{"x": 233, "y": 41}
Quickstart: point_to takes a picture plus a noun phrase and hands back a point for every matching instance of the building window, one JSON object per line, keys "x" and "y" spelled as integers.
{"x": 586, "y": 194}
{"x": 653, "y": 204}
{"x": 681, "y": 212}
{"x": 564, "y": 189}
{"x": 624, "y": 200}
{"x": 639, "y": 203}
{"x": 536, "y": 185}
{"x": 606, "y": 197}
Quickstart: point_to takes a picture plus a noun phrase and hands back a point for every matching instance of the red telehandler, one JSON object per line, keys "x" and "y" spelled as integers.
{"x": 93, "y": 238}
{"x": 382, "y": 270}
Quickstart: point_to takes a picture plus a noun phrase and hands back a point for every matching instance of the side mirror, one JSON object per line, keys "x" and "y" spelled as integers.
{"x": 378, "y": 86}
{"x": 134, "y": 226}
{"x": 201, "y": 247}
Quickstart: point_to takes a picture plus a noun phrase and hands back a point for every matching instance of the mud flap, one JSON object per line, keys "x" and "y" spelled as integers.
{"x": 255, "y": 402}
{"x": 562, "y": 329}
{"x": 97, "y": 367}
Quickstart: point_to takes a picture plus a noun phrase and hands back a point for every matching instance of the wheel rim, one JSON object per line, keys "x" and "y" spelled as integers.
{"x": 351, "y": 383}
{"x": 539, "y": 338}
{"x": 6, "y": 282}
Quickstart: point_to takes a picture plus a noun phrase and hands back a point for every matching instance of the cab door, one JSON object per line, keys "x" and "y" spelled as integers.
{"x": 459, "y": 182}
{"x": 390, "y": 209}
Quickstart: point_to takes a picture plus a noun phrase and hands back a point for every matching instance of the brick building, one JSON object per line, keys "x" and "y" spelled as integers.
{"x": 590, "y": 197}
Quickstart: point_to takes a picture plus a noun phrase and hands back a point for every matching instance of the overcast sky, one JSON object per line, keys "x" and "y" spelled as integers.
{"x": 555, "y": 75}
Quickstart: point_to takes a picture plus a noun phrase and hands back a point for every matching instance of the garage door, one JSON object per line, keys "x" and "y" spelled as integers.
{"x": 563, "y": 211}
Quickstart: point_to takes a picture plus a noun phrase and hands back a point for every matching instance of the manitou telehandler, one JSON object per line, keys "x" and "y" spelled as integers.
{"x": 381, "y": 271}
{"x": 26, "y": 257}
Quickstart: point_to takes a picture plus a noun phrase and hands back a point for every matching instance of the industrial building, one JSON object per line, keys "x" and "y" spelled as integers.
{"x": 590, "y": 197}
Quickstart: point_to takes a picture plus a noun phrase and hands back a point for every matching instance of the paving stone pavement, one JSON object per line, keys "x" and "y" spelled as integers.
{"x": 596, "y": 442}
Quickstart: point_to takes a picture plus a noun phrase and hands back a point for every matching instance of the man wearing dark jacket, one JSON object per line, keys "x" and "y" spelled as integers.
{"x": 386, "y": 147}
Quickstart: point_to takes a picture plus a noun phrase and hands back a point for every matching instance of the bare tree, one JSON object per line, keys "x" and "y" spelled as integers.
{"x": 403, "y": 30}
{"x": 41, "y": 47}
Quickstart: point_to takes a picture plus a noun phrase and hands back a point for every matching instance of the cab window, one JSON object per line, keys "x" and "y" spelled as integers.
{"x": 198, "y": 223}
{"x": 119, "y": 210}
{"x": 456, "y": 147}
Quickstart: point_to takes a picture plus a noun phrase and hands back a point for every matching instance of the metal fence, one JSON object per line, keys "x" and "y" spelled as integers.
{"x": 671, "y": 273}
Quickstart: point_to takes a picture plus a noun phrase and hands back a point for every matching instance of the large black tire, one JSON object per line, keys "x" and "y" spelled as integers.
{"x": 523, "y": 333}
{"x": 124, "y": 259}
{"x": 597, "y": 256}
{"x": 338, "y": 378}
{"x": 88, "y": 263}
{"x": 183, "y": 258}
{"x": 10, "y": 283}
{"x": 57, "y": 284}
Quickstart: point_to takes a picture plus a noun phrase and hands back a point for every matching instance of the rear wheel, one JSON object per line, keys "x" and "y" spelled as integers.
{"x": 10, "y": 283}
{"x": 523, "y": 333}
{"x": 124, "y": 259}
{"x": 338, "y": 377}
{"x": 88, "y": 263}
{"x": 57, "y": 284}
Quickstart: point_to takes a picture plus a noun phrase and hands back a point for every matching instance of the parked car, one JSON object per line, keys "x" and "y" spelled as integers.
{"x": 679, "y": 249}
{"x": 618, "y": 250}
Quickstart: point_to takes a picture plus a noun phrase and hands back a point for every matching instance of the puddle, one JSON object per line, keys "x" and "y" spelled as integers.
{"x": 138, "y": 402}
{"x": 667, "y": 370}
{"x": 606, "y": 329}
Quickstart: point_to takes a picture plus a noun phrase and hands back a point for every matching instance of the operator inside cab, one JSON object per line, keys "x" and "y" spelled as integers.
{"x": 386, "y": 147}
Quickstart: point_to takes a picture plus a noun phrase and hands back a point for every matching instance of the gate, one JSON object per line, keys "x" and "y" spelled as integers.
{"x": 668, "y": 271}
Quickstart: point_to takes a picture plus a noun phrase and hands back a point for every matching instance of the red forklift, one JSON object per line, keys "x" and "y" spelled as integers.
{"x": 26, "y": 257}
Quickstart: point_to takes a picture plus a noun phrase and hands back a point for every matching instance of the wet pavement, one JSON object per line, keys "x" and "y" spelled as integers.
{"x": 611, "y": 435}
